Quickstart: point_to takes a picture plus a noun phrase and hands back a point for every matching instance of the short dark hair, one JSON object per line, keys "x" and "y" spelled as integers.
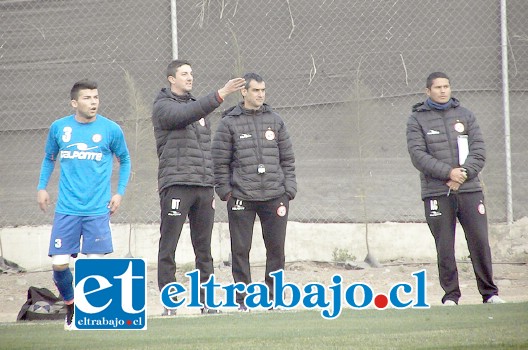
{"x": 174, "y": 65}
{"x": 433, "y": 76}
{"x": 252, "y": 76}
{"x": 84, "y": 84}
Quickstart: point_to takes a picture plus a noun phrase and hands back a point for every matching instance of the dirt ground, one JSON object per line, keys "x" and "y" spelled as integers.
{"x": 512, "y": 280}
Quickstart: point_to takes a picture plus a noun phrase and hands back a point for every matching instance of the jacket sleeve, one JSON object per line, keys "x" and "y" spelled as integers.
{"x": 222, "y": 153}
{"x": 477, "y": 151}
{"x": 420, "y": 157}
{"x": 169, "y": 114}
{"x": 287, "y": 162}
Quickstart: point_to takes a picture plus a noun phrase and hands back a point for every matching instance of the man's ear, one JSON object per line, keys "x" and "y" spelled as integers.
{"x": 74, "y": 103}
{"x": 428, "y": 92}
{"x": 243, "y": 91}
{"x": 170, "y": 78}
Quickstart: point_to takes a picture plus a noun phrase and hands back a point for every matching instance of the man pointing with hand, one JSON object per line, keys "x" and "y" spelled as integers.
{"x": 185, "y": 174}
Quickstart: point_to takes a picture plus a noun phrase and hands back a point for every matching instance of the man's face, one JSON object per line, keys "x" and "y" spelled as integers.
{"x": 181, "y": 82}
{"x": 440, "y": 90}
{"x": 255, "y": 95}
{"x": 86, "y": 104}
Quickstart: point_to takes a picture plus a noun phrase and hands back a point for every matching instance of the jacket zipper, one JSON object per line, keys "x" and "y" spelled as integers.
{"x": 259, "y": 154}
{"x": 444, "y": 119}
{"x": 198, "y": 136}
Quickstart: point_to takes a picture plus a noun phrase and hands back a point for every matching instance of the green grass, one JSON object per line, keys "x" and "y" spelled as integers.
{"x": 463, "y": 327}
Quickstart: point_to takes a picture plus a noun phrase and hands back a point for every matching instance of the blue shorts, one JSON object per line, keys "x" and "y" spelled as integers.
{"x": 68, "y": 230}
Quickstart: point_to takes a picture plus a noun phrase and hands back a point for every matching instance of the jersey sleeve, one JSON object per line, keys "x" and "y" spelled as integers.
{"x": 50, "y": 156}
{"x": 120, "y": 149}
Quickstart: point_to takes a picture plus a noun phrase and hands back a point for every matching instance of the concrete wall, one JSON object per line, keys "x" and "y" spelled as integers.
{"x": 28, "y": 246}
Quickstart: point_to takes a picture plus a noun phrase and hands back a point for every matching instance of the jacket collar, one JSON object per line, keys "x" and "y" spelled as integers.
{"x": 239, "y": 110}
{"x": 166, "y": 92}
{"x": 424, "y": 107}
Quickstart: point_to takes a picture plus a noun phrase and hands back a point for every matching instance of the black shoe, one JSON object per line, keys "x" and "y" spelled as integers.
{"x": 207, "y": 311}
{"x": 68, "y": 321}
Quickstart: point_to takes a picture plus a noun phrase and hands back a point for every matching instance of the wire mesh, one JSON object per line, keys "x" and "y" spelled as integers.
{"x": 342, "y": 74}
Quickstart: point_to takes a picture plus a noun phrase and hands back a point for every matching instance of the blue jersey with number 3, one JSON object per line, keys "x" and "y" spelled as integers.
{"x": 85, "y": 152}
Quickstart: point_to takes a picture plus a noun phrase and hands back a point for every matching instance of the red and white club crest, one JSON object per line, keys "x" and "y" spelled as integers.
{"x": 481, "y": 208}
{"x": 270, "y": 135}
{"x": 281, "y": 211}
{"x": 459, "y": 127}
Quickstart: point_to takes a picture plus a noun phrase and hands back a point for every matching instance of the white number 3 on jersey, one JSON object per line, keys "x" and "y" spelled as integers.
{"x": 66, "y": 136}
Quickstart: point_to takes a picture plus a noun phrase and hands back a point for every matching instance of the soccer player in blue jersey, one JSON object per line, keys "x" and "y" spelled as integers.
{"x": 85, "y": 144}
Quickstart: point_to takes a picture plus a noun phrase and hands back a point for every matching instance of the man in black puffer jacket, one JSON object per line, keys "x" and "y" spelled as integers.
{"x": 255, "y": 173}
{"x": 185, "y": 173}
{"x": 446, "y": 145}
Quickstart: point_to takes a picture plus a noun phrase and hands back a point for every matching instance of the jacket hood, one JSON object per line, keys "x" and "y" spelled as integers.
{"x": 424, "y": 107}
{"x": 239, "y": 109}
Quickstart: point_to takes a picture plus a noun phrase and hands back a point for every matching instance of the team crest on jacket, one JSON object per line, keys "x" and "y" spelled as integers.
{"x": 202, "y": 122}
{"x": 281, "y": 210}
{"x": 270, "y": 135}
{"x": 459, "y": 127}
{"x": 97, "y": 138}
{"x": 481, "y": 208}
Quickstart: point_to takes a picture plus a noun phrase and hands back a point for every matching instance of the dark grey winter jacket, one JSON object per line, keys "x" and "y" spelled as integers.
{"x": 432, "y": 144}
{"x": 183, "y": 139}
{"x": 245, "y": 139}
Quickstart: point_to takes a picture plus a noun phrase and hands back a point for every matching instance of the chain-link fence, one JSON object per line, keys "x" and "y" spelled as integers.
{"x": 343, "y": 74}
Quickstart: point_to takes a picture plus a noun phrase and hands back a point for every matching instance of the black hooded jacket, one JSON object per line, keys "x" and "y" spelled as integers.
{"x": 183, "y": 139}
{"x": 432, "y": 144}
{"x": 245, "y": 139}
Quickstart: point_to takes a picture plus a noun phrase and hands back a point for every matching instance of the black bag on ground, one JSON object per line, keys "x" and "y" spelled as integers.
{"x": 42, "y": 304}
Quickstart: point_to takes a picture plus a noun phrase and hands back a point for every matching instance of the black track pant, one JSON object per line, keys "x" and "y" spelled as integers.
{"x": 178, "y": 202}
{"x": 441, "y": 214}
{"x": 273, "y": 216}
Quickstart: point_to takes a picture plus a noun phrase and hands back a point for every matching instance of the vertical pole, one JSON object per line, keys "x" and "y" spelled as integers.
{"x": 174, "y": 29}
{"x": 506, "y": 111}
